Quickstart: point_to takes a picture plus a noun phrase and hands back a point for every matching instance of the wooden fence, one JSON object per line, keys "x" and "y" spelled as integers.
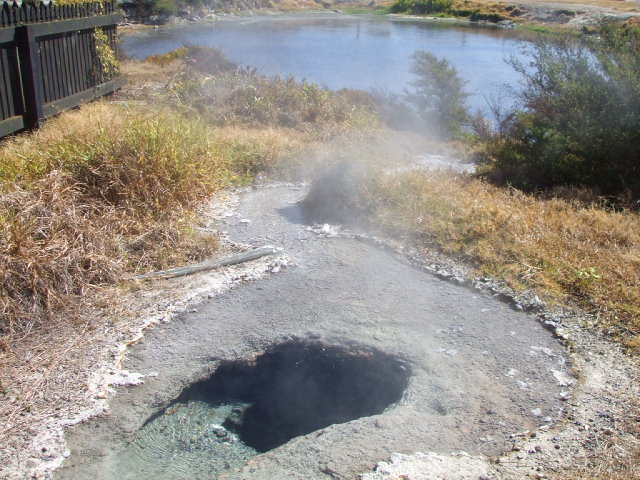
{"x": 50, "y": 59}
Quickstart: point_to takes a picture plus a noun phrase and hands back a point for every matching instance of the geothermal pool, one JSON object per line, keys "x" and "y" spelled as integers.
{"x": 341, "y": 51}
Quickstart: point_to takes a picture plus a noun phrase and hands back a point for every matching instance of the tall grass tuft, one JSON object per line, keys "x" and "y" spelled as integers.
{"x": 101, "y": 192}
{"x": 245, "y": 98}
{"x": 119, "y": 157}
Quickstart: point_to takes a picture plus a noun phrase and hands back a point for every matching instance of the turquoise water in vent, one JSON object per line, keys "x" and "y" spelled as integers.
{"x": 186, "y": 441}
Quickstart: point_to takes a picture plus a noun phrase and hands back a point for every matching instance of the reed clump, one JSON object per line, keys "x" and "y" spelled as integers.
{"x": 245, "y": 98}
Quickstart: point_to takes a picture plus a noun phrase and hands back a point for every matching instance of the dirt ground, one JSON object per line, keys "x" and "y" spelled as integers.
{"x": 545, "y": 422}
{"x": 574, "y": 14}
{"x": 344, "y": 291}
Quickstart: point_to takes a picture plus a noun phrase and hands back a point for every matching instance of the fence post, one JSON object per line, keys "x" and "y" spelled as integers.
{"x": 31, "y": 71}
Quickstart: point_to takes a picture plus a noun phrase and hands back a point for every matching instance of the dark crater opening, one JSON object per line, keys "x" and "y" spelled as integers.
{"x": 335, "y": 194}
{"x": 297, "y": 387}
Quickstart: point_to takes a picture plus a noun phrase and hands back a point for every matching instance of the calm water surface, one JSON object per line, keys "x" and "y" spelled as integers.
{"x": 340, "y": 51}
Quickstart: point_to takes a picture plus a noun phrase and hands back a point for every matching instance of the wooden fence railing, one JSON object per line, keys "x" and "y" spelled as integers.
{"x": 50, "y": 60}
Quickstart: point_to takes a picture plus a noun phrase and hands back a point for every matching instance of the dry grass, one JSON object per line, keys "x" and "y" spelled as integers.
{"x": 109, "y": 189}
{"x": 143, "y": 74}
{"x": 612, "y": 449}
{"x": 202, "y": 82}
{"x": 120, "y": 157}
{"x": 614, "y": 5}
{"x": 485, "y": 10}
{"x": 254, "y": 151}
{"x": 105, "y": 191}
{"x": 617, "y": 457}
{"x": 243, "y": 98}
{"x": 564, "y": 251}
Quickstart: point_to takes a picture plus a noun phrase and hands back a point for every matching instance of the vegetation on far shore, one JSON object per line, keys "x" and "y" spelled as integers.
{"x": 492, "y": 12}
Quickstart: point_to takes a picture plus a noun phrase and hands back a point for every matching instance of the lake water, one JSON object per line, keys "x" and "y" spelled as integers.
{"x": 342, "y": 51}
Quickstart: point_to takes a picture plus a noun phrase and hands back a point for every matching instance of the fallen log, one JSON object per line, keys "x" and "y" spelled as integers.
{"x": 211, "y": 264}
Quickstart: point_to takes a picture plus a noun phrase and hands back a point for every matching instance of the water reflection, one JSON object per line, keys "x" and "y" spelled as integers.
{"x": 377, "y": 30}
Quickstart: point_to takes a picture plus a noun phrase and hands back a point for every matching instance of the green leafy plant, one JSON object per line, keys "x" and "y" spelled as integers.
{"x": 165, "y": 7}
{"x": 438, "y": 94}
{"x": 107, "y": 63}
{"x": 420, "y": 7}
{"x": 580, "y": 117}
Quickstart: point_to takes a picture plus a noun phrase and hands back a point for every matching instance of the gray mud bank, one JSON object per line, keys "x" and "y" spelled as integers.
{"x": 479, "y": 370}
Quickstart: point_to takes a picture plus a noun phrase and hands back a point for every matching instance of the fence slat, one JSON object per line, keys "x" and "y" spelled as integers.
{"x": 8, "y": 76}
{"x": 83, "y": 62}
{"x": 12, "y": 74}
{"x": 53, "y": 70}
{"x": 31, "y": 75}
{"x": 70, "y": 52}
{"x": 5, "y": 15}
{"x": 68, "y": 70}
{"x": 60, "y": 68}
{"x": 44, "y": 64}
{"x": 62, "y": 73}
{"x": 7, "y": 90}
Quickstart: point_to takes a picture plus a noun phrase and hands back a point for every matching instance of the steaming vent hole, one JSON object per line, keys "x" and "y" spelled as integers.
{"x": 335, "y": 194}
{"x": 298, "y": 387}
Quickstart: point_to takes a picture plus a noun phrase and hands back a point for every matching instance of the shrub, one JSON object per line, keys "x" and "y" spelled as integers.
{"x": 580, "y": 121}
{"x": 165, "y": 7}
{"x": 245, "y": 98}
{"x": 421, "y": 7}
{"x": 167, "y": 58}
{"x": 431, "y": 6}
{"x": 438, "y": 94}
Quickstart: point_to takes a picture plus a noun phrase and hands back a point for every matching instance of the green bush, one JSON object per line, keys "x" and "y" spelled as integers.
{"x": 401, "y": 6}
{"x": 438, "y": 94}
{"x": 165, "y": 7}
{"x": 420, "y": 7}
{"x": 580, "y": 121}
